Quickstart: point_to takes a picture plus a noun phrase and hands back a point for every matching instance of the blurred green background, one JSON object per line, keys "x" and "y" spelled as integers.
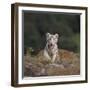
{"x": 37, "y": 24}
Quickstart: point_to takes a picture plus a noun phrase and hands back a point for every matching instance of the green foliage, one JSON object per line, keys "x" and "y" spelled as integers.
{"x": 70, "y": 43}
{"x": 37, "y": 24}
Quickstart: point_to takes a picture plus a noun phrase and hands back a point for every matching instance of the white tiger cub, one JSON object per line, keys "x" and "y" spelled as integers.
{"x": 51, "y": 48}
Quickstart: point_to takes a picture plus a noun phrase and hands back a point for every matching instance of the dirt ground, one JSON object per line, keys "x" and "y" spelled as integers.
{"x": 68, "y": 64}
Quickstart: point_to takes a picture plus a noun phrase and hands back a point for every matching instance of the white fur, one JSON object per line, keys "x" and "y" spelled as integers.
{"x": 51, "y": 48}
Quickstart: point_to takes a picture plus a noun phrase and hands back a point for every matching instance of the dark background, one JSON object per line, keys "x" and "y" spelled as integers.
{"x": 37, "y": 24}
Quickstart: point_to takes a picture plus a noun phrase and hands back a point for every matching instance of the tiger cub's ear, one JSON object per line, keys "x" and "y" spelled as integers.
{"x": 48, "y": 35}
{"x": 56, "y": 35}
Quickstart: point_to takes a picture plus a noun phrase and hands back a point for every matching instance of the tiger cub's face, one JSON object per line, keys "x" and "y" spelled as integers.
{"x": 52, "y": 39}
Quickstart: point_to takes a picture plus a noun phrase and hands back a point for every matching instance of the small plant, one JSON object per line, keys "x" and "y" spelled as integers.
{"x": 30, "y": 50}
